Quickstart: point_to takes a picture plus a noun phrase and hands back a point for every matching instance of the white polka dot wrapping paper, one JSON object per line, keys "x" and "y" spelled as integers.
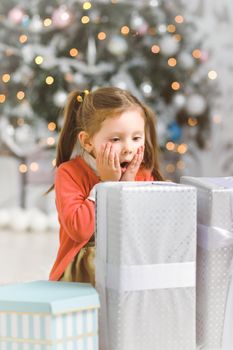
{"x": 45, "y": 315}
{"x": 214, "y": 261}
{"x": 145, "y": 265}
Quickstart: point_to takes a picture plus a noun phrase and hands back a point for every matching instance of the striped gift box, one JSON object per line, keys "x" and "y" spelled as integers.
{"x": 45, "y": 315}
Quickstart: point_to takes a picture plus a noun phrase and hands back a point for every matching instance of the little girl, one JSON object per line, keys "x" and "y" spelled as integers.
{"x": 117, "y": 138}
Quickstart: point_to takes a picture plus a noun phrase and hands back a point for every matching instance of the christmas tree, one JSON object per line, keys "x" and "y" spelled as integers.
{"x": 48, "y": 48}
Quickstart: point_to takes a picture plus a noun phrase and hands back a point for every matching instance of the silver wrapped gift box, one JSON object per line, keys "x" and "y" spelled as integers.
{"x": 214, "y": 262}
{"x": 145, "y": 265}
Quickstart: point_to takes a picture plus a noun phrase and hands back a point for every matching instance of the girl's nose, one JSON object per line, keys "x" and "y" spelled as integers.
{"x": 127, "y": 149}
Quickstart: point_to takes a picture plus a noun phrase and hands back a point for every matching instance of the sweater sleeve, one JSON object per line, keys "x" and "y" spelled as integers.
{"x": 76, "y": 213}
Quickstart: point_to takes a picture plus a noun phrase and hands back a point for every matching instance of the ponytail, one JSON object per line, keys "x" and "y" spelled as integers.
{"x": 68, "y": 135}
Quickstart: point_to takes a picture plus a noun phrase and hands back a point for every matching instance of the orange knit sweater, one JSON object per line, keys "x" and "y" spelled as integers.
{"x": 76, "y": 213}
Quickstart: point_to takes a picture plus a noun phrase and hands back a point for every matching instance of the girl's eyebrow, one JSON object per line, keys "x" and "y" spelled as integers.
{"x": 122, "y": 133}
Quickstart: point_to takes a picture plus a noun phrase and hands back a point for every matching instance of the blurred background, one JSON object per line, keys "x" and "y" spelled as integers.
{"x": 175, "y": 56}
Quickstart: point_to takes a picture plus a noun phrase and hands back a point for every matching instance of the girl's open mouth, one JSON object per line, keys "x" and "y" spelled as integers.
{"x": 124, "y": 165}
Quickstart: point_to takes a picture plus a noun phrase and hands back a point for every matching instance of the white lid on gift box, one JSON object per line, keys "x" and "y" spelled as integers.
{"x": 48, "y": 297}
{"x": 142, "y": 185}
{"x": 212, "y": 183}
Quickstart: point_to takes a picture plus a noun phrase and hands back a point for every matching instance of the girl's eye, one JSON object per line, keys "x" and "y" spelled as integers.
{"x": 115, "y": 139}
{"x": 137, "y": 138}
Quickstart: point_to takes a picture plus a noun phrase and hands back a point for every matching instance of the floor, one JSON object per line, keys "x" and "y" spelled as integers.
{"x": 26, "y": 256}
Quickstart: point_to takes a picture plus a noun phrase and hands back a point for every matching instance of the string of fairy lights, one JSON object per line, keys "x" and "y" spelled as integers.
{"x": 62, "y": 18}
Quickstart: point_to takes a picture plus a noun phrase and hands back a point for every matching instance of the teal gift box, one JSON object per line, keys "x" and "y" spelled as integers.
{"x": 46, "y": 315}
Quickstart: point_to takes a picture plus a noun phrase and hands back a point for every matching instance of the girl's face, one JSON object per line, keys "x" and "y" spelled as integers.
{"x": 125, "y": 132}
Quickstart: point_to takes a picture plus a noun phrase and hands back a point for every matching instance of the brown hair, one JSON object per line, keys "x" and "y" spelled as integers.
{"x": 86, "y": 112}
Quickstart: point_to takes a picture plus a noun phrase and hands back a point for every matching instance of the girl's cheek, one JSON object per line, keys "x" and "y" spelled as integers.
{"x": 118, "y": 151}
{"x": 115, "y": 148}
{"x": 141, "y": 147}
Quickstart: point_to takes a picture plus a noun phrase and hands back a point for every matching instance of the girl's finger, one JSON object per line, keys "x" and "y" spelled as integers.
{"x": 116, "y": 161}
{"x": 140, "y": 156}
{"x": 102, "y": 149}
{"x": 106, "y": 153}
{"x": 111, "y": 157}
{"x": 100, "y": 154}
{"x": 141, "y": 149}
{"x": 142, "y": 152}
{"x": 134, "y": 161}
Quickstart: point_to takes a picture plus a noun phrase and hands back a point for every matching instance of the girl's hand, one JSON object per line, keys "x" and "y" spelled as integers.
{"x": 107, "y": 163}
{"x": 134, "y": 165}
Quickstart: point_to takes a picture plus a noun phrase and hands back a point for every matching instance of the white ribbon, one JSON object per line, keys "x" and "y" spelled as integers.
{"x": 212, "y": 238}
{"x": 150, "y": 277}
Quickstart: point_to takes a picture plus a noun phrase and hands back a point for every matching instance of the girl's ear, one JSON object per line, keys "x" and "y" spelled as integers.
{"x": 85, "y": 142}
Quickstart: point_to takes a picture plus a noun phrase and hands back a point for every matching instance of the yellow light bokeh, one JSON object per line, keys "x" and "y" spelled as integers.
{"x": 34, "y": 166}
{"x": 196, "y": 53}
{"x": 20, "y": 95}
{"x": 85, "y": 19}
{"x": 172, "y": 62}
{"x": 54, "y": 162}
{"x": 171, "y": 28}
{"x": 47, "y": 22}
{"x": 182, "y": 148}
{"x": 49, "y": 80}
{"x": 86, "y": 5}
{"x": 180, "y": 164}
{"x": 179, "y": 19}
{"x": 50, "y": 141}
{"x": 73, "y": 52}
{"x": 23, "y": 168}
{"x": 52, "y": 126}
{"x": 192, "y": 121}
{"x": 39, "y": 59}
{"x": 125, "y": 30}
{"x": 23, "y": 38}
{"x": 175, "y": 85}
{"x": 170, "y": 146}
{"x": 155, "y": 49}
{"x": 20, "y": 121}
{"x": 212, "y": 74}
{"x": 170, "y": 168}
{"x": 178, "y": 37}
{"x": 2, "y": 98}
{"x": 6, "y": 78}
{"x": 101, "y": 36}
